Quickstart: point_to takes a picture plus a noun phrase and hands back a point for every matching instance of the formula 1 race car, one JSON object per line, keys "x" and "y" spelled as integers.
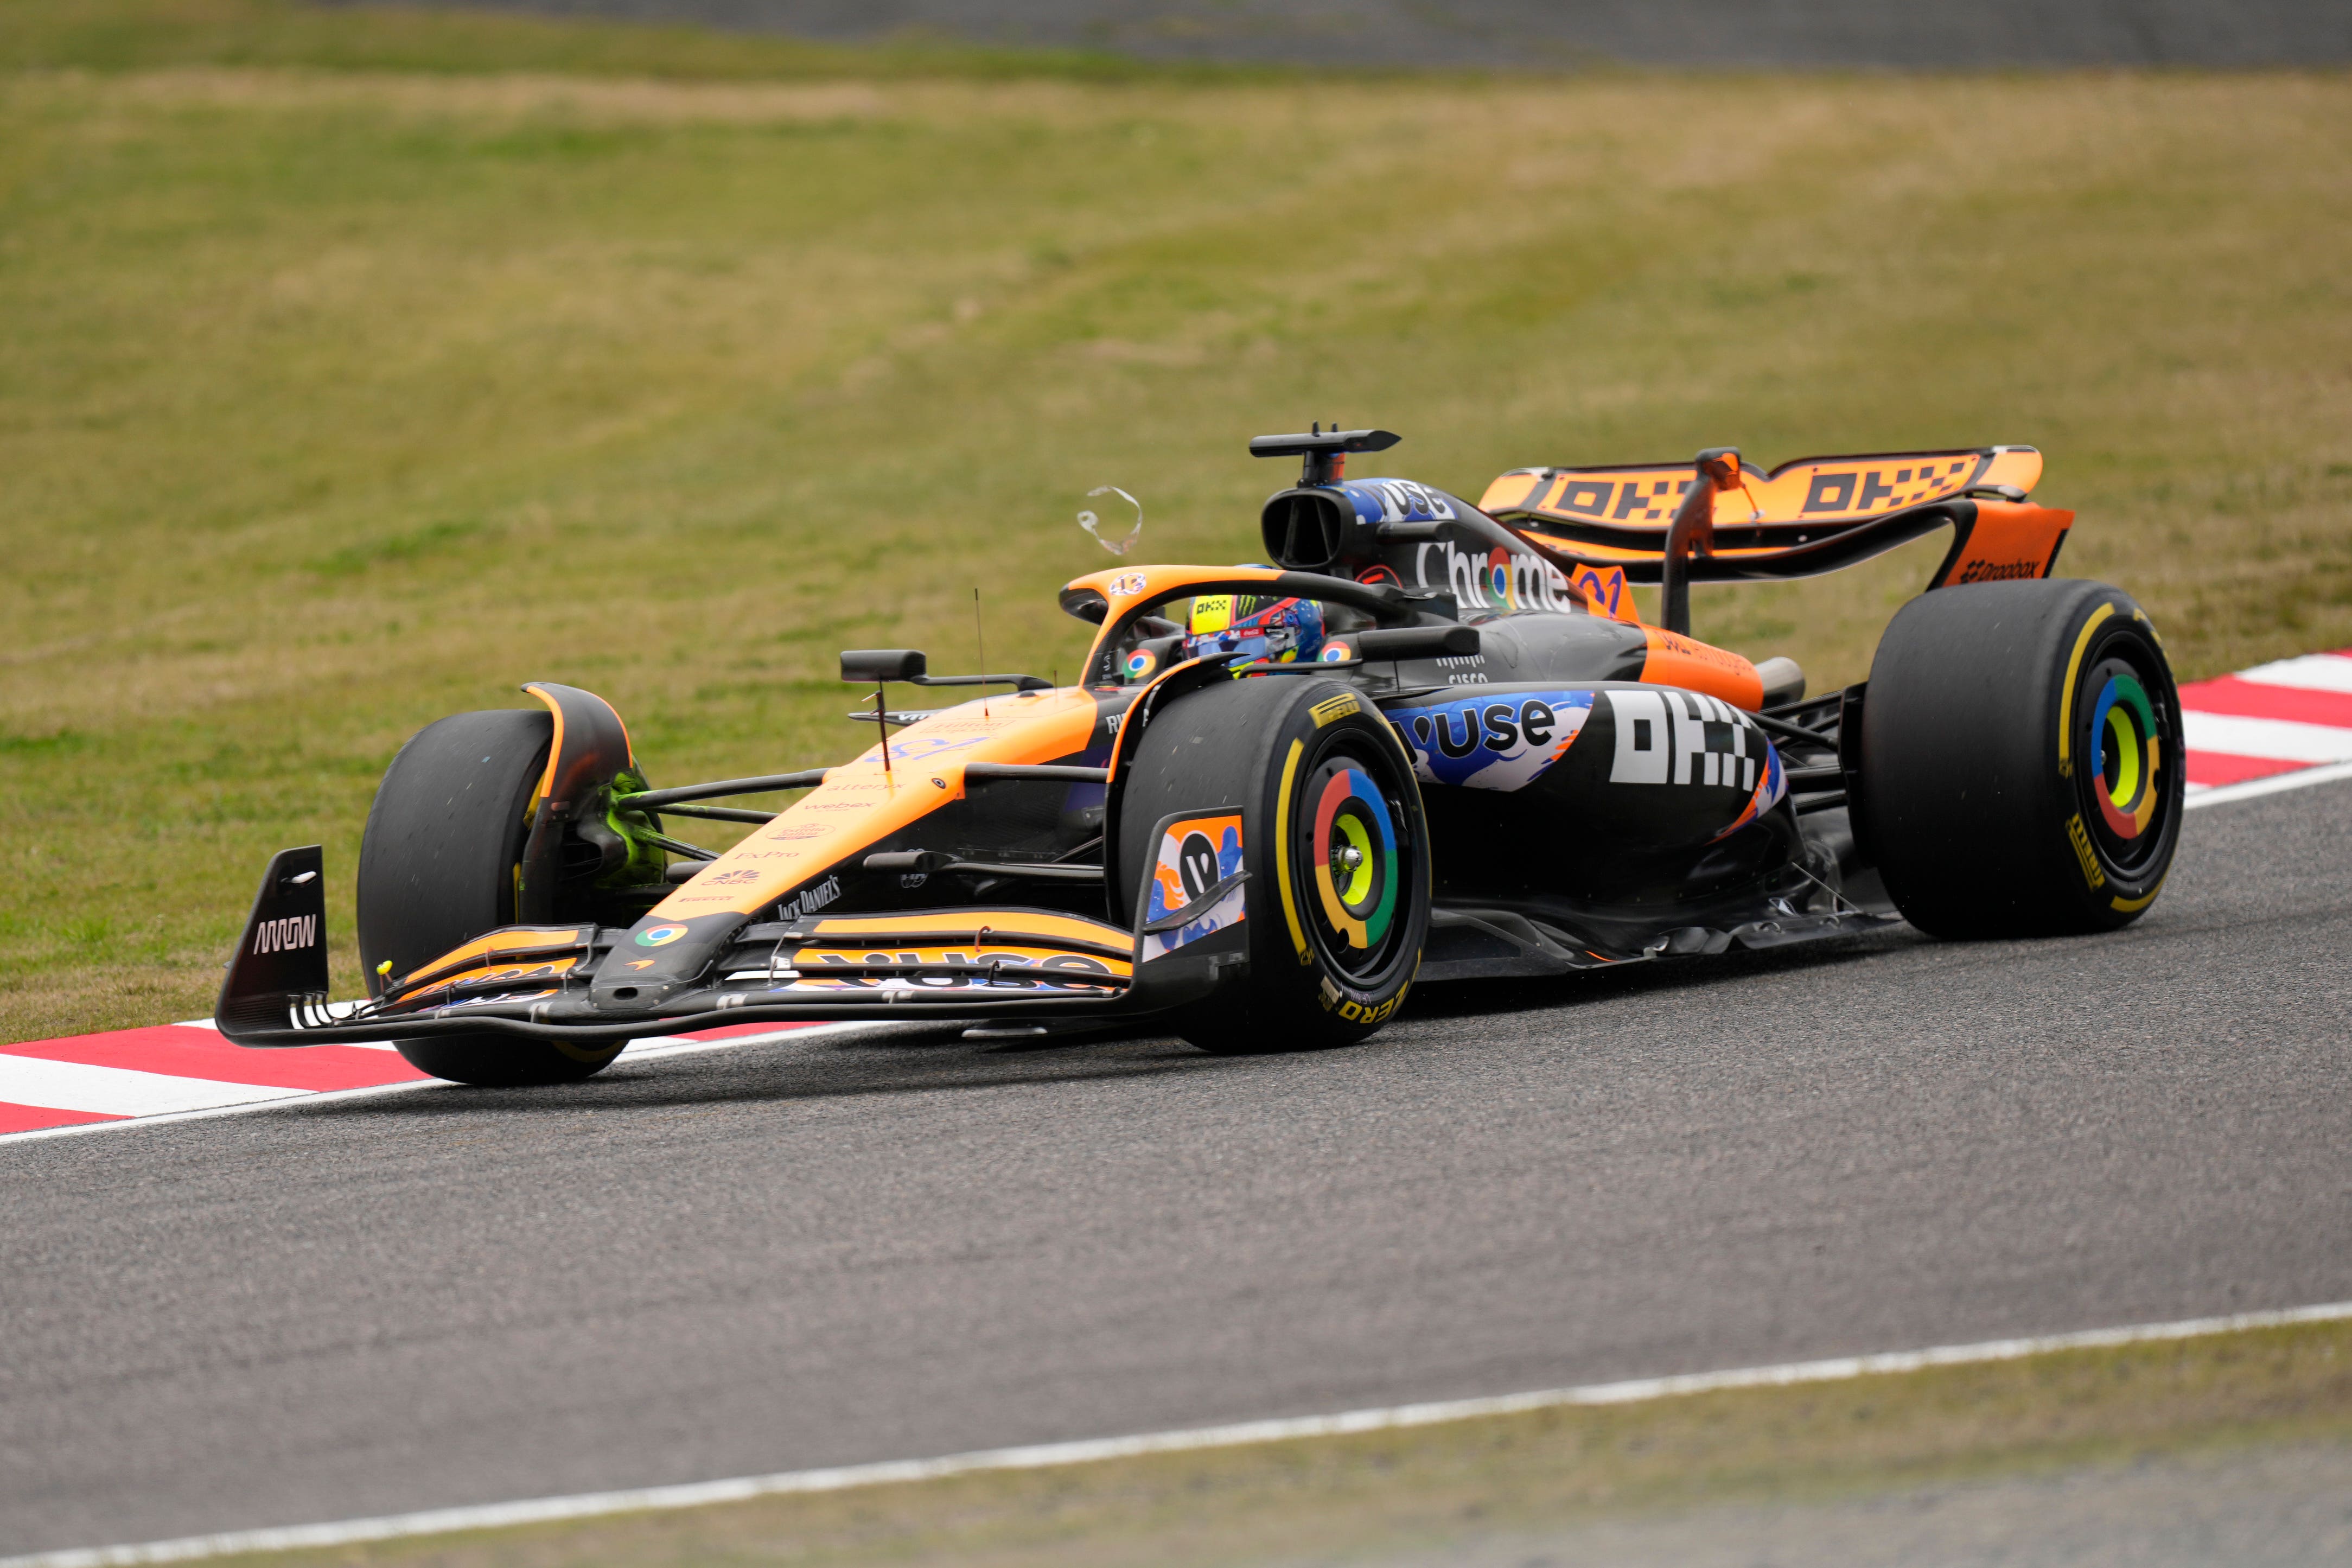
{"x": 1429, "y": 741}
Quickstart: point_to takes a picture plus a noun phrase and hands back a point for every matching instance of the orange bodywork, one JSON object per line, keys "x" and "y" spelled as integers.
{"x": 2009, "y": 541}
{"x": 1678, "y": 660}
{"x": 859, "y": 803}
{"x": 1036, "y": 927}
{"x": 555, "y": 742}
{"x": 1032, "y": 947}
{"x": 1067, "y": 948}
{"x": 506, "y": 955}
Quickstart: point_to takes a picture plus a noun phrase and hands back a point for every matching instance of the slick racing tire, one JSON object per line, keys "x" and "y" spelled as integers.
{"x": 2022, "y": 765}
{"x": 1332, "y": 838}
{"x": 437, "y": 867}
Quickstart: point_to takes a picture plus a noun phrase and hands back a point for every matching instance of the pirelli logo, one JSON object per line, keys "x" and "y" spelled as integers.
{"x": 278, "y": 936}
{"x": 2081, "y": 839}
{"x": 1333, "y": 708}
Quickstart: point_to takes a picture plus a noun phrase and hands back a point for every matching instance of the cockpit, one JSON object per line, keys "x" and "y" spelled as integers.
{"x": 1199, "y": 620}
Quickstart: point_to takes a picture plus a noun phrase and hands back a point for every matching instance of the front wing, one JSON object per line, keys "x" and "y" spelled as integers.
{"x": 531, "y": 981}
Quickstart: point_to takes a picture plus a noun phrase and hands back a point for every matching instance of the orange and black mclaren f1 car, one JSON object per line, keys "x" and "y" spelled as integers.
{"x": 1428, "y": 740}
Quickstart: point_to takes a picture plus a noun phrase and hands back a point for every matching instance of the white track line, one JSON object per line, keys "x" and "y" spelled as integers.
{"x": 251, "y": 1098}
{"x": 590, "y": 1505}
{"x": 2284, "y": 740}
{"x": 2311, "y": 672}
{"x": 296, "y": 1097}
{"x": 2302, "y": 778}
{"x": 122, "y": 1091}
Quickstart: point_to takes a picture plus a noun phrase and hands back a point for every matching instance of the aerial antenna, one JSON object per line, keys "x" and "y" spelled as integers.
{"x": 980, "y": 646}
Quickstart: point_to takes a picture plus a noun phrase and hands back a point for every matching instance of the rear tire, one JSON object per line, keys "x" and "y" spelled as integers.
{"x": 1333, "y": 840}
{"x": 2021, "y": 760}
{"x": 437, "y": 869}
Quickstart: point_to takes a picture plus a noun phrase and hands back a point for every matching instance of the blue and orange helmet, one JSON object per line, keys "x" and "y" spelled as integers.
{"x": 1279, "y": 631}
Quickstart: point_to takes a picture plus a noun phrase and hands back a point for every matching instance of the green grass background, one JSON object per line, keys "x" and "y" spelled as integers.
{"x": 356, "y": 366}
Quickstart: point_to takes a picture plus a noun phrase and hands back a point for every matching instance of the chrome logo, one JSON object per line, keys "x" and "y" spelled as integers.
{"x": 659, "y": 936}
{"x": 1139, "y": 664}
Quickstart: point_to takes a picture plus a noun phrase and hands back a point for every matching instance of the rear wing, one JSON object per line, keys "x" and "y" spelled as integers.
{"x": 1803, "y": 519}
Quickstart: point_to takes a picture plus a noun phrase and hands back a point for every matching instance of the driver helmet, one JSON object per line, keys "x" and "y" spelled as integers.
{"x": 1279, "y": 631}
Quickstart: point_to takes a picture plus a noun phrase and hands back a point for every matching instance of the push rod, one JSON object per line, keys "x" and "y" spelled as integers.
{"x": 1056, "y": 772}
{"x": 1795, "y": 732}
{"x": 678, "y": 847}
{"x": 719, "y": 813}
{"x": 655, "y": 799}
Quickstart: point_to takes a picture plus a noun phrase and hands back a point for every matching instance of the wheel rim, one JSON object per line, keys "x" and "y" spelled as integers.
{"x": 1358, "y": 859}
{"x": 2131, "y": 741}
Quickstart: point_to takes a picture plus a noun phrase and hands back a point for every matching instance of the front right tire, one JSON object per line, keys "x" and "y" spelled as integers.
{"x": 1334, "y": 842}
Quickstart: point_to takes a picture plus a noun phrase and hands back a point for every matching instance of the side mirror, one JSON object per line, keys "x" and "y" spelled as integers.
{"x": 1418, "y": 642}
{"x": 873, "y": 666}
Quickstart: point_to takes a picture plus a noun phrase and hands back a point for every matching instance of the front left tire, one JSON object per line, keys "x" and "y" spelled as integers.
{"x": 437, "y": 867}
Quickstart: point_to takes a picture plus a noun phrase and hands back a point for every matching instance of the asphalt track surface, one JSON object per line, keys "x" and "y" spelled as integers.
{"x": 1920, "y": 35}
{"x": 829, "y": 1252}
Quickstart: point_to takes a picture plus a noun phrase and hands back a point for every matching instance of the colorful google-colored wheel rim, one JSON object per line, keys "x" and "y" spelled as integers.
{"x": 2131, "y": 740}
{"x": 1356, "y": 864}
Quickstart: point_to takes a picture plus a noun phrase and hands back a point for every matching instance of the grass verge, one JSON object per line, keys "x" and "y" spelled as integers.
{"x": 333, "y": 400}
{"x": 1435, "y": 1489}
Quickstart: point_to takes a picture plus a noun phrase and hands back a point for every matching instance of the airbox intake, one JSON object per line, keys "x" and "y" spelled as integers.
{"x": 1312, "y": 531}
